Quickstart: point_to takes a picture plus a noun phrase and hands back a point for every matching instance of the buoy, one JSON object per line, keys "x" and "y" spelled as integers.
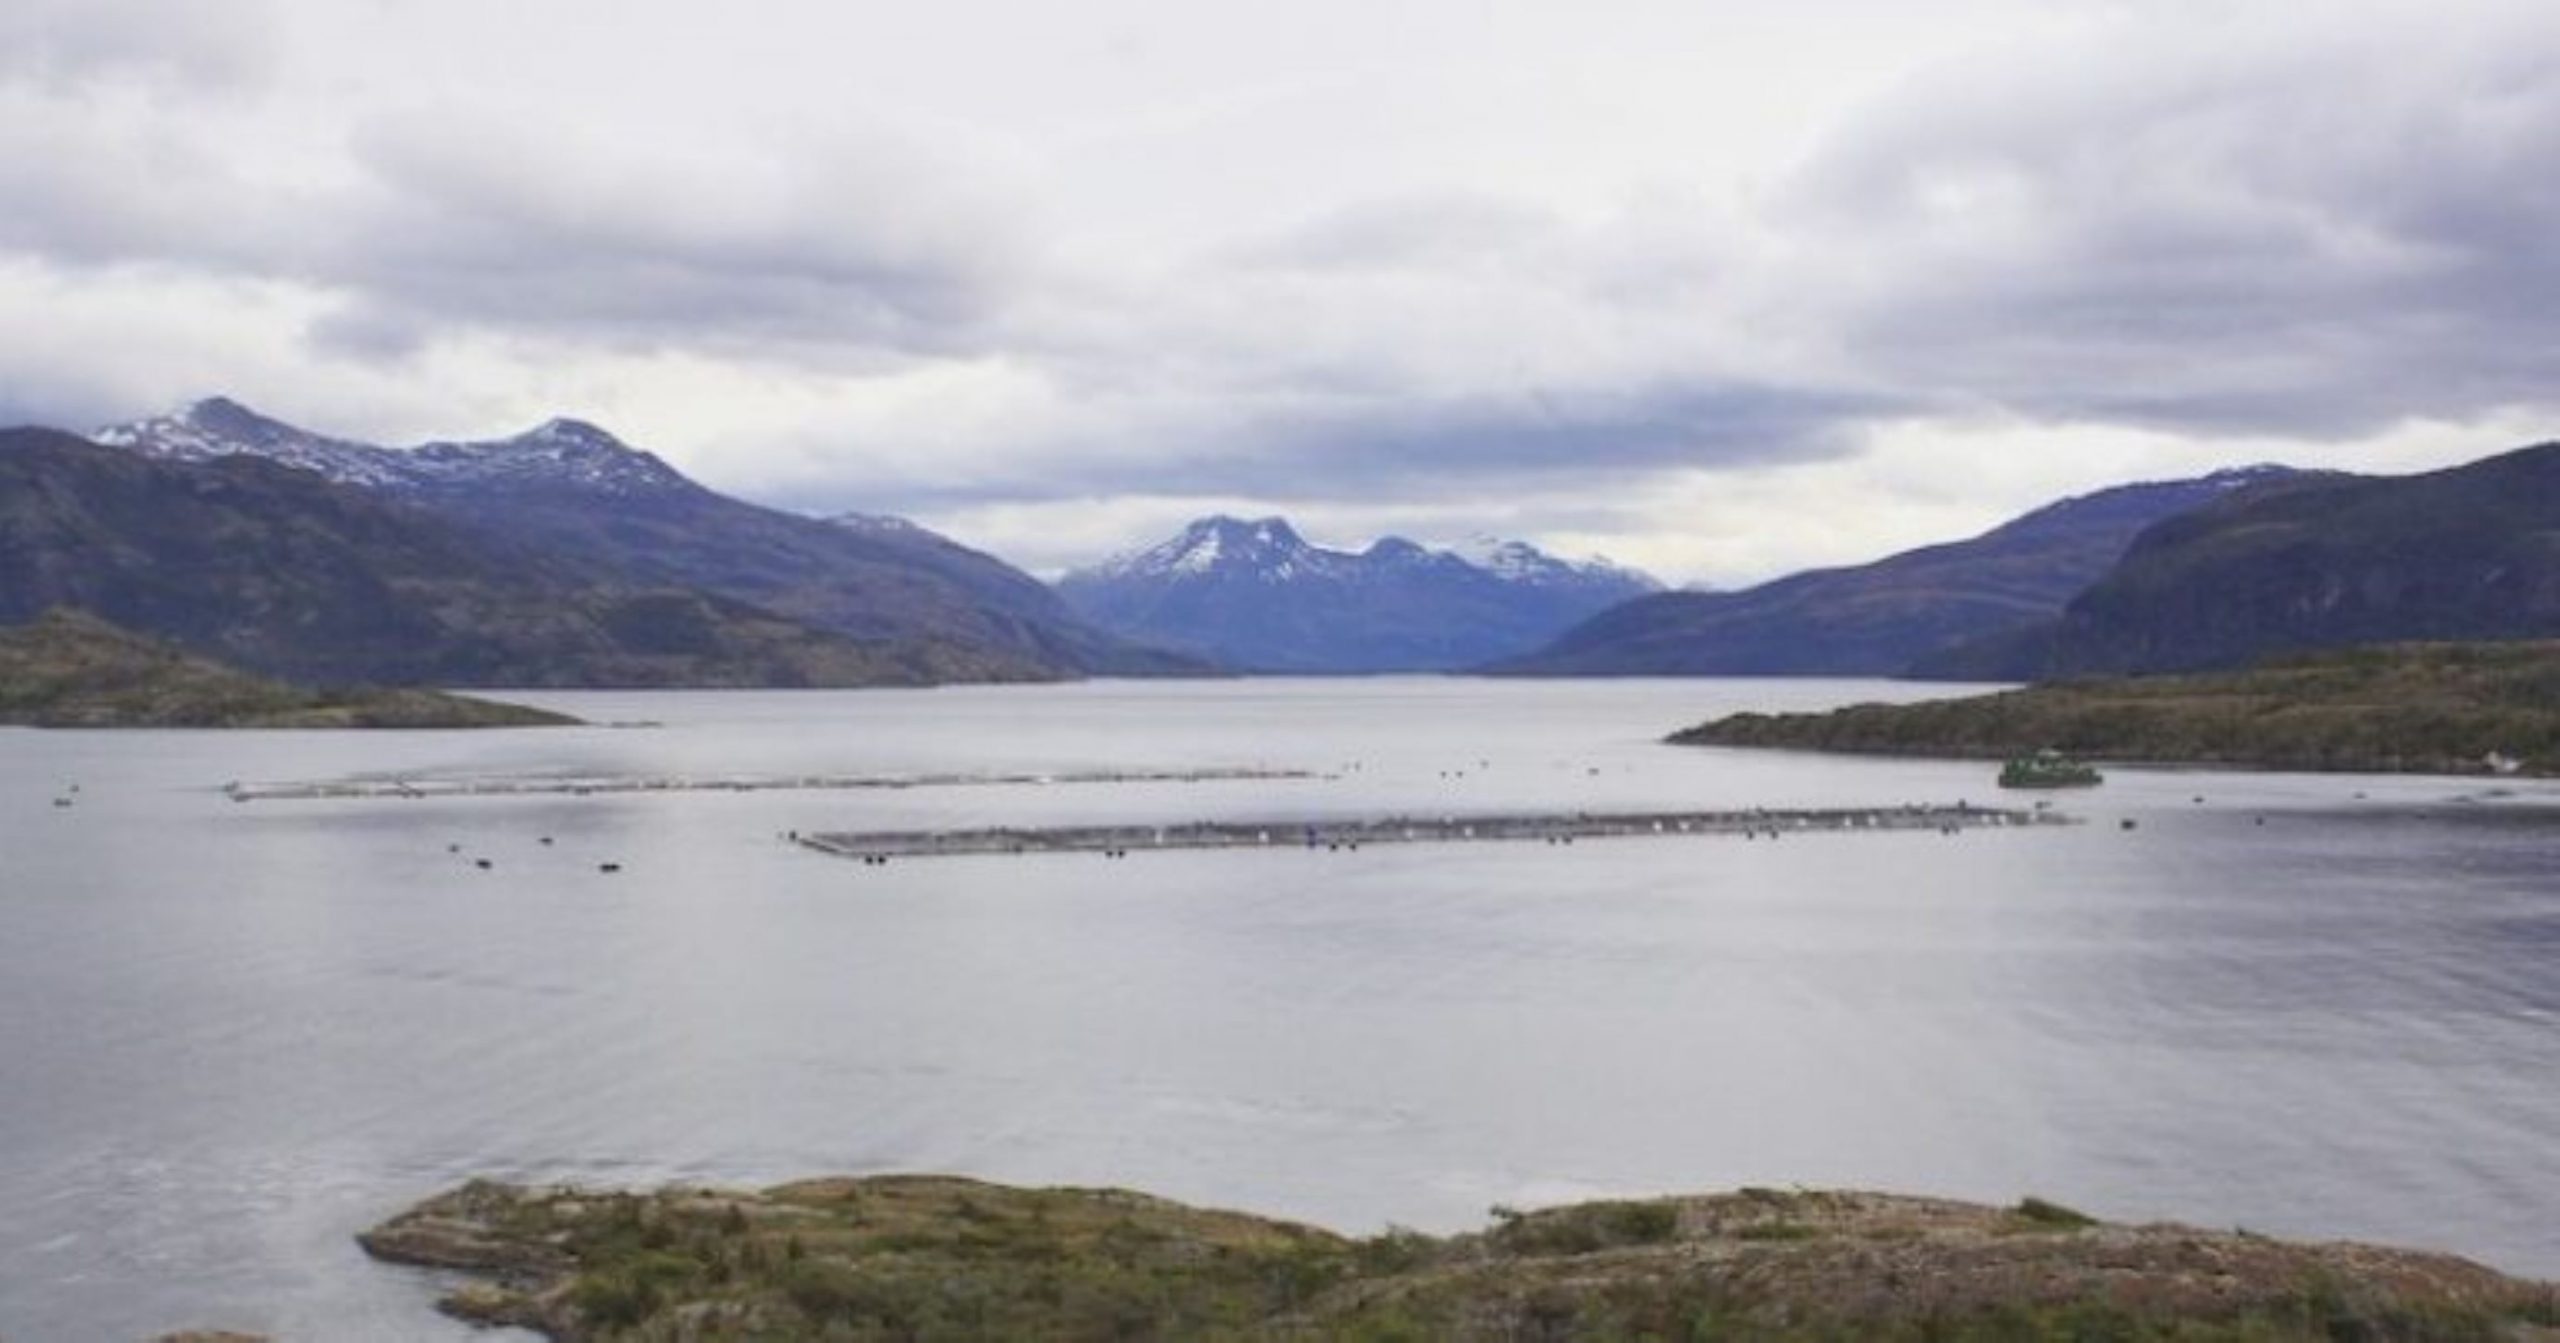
{"x": 484, "y": 864}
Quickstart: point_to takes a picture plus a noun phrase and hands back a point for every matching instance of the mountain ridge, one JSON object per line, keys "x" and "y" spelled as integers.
{"x": 622, "y": 515}
{"x": 274, "y": 569}
{"x": 1879, "y": 618}
{"x": 2462, "y": 553}
{"x": 1255, "y": 594}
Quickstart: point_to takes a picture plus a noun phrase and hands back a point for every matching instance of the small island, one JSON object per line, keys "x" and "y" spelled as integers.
{"x": 2466, "y": 708}
{"x": 933, "y": 1257}
{"x": 71, "y": 669}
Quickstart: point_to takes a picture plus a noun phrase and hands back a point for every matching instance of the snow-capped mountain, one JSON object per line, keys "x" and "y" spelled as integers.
{"x": 1520, "y": 562}
{"x": 558, "y": 454}
{"x": 1266, "y": 550}
{"x": 1254, "y": 594}
{"x": 569, "y": 490}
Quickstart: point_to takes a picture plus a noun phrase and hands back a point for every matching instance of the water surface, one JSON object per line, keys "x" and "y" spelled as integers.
{"x": 233, "y": 1034}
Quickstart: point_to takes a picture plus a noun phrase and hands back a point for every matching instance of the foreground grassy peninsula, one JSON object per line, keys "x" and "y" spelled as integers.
{"x": 66, "y": 669}
{"x": 913, "y": 1257}
{"x": 2435, "y": 708}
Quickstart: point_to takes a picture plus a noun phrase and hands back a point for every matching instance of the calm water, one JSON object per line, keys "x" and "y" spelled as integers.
{"x": 233, "y": 1034}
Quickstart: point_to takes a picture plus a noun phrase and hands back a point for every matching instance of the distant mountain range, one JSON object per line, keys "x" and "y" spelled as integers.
{"x": 613, "y": 516}
{"x": 1256, "y": 596}
{"x": 1880, "y": 619}
{"x": 274, "y": 569}
{"x": 2313, "y": 562}
{"x": 562, "y": 556}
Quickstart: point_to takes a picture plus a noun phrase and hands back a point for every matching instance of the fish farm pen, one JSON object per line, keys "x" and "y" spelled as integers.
{"x": 1338, "y": 834}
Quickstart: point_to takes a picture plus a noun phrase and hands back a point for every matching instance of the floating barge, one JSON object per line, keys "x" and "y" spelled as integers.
{"x": 1337, "y": 834}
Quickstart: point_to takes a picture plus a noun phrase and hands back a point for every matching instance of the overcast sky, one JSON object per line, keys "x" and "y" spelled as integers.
{"x": 1720, "y": 289}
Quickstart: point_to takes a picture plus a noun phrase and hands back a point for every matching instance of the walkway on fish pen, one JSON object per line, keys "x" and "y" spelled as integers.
{"x": 1336, "y": 834}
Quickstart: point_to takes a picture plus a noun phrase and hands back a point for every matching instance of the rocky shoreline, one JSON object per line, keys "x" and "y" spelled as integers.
{"x": 925, "y": 1257}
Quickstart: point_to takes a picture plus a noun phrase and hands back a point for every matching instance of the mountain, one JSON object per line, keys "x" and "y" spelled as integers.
{"x": 1257, "y": 596}
{"x": 71, "y": 669}
{"x": 272, "y": 568}
{"x": 2472, "y": 552}
{"x": 567, "y": 456}
{"x": 575, "y": 492}
{"x": 1878, "y": 619}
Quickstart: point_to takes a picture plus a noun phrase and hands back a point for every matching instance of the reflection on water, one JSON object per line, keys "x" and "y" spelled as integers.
{"x": 235, "y": 1033}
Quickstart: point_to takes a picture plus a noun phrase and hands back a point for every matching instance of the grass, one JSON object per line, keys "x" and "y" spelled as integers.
{"x": 68, "y": 669}
{"x": 924, "y": 1258}
{"x": 2439, "y": 708}
{"x": 2043, "y": 1213}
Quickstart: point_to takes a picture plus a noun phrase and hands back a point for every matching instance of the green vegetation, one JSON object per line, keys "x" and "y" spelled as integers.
{"x": 926, "y": 1258}
{"x": 2434, "y": 708}
{"x": 2047, "y": 769}
{"x": 68, "y": 669}
{"x": 2042, "y": 1212}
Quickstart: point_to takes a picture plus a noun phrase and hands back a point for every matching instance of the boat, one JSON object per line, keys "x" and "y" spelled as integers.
{"x": 2048, "y": 769}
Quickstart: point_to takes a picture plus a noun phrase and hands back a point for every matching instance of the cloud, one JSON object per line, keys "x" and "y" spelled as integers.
{"x": 818, "y": 246}
{"x": 66, "y": 43}
{"x": 822, "y": 270}
{"x": 2217, "y": 227}
{"x": 837, "y": 251}
{"x": 101, "y": 178}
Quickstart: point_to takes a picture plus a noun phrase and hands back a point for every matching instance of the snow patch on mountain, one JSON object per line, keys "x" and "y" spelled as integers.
{"x": 1254, "y": 594}
{"x": 879, "y": 524}
{"x": 557, "y": 454}
{"x": 1269, "y": 550}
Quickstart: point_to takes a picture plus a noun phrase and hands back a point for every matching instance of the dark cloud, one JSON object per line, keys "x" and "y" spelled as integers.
{"x": 87, "y": 186}
{"x": 839, "y": 247}
{"x": 2313, "y": 239}
{"x": 448, "y": 226}
{"x": 1414, "y": 449}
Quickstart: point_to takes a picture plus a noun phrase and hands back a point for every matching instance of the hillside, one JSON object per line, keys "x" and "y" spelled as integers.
{"x": 577, "y": 494}
{"x": 1257, "y": 596}
{"x": 2472, "y": 552}
{"x": 67, "y": 669}
{"x": 1878, "y": 619}
{"x": 2424, "y": 707}
{"x": 914, "y": 1257}
{"x": 276, "y": 570}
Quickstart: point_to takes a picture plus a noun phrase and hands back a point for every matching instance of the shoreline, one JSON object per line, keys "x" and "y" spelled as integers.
{"x": 938, "y": 1256}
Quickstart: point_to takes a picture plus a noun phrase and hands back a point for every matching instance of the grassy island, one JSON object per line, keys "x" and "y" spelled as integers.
{"x": 922, "y": 1258}
{"x": 68, "y": 669}
{"x": 2427, "y": 708}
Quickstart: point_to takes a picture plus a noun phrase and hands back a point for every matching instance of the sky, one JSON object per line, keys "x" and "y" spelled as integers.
{"x": 1719, "y": 288}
